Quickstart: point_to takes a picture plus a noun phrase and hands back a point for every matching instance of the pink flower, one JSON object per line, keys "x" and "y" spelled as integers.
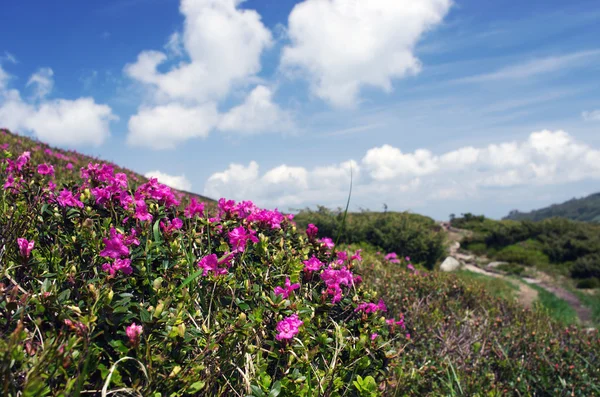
{"x": 66, "y": 199}
{"x": 114, "y": 247}
{"x": 141, "y": 211}
{"x": 238, "y": 238}
{"x": 169, "y": 227}
{"x": 289, "y": 288}
{"x": 312, "y": 265}
{"x": 311, "y": 231}
{"x": 327, "y": 242}
{"x": 211, "y": 263}
{"x": 193, "y": 209}
{"x": 123, "y": 265}
{"x": 69, "y": 166}
{"x": 411, "y": 267}
{"x": 133, "y": 333}
{"x": 25, "y": 247}
{"x": 372, "y": 307}
{"x": 45, "y": 169}
{"x": 334, "y": 279}
{"x": 288, "y": 327}
{"x": 393, "y": 323}
{"x": 374, "y": 335}
{"x": 392, "y": 257}
{"x": 356, "y": 256}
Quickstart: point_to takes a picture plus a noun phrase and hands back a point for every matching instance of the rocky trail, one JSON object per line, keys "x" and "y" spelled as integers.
{"x": 527, "y": 295}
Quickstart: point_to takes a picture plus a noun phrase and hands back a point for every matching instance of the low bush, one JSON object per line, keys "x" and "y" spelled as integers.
{"x": 414, "y": 235}
{"x": 107, "y": 285}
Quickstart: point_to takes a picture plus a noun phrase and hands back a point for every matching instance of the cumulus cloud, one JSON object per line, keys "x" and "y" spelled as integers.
{"x": 544, "y": 158}
{"x": 59, "y": 121}
{"x": 344, "y": 45}
{"x": 257, "y": 114}
{"x": 42, "y": 82}
{"x": 163, "y": 127}
{"x": 179, "y": 182}
{"x": 593, "y": 115}
{"x": 224, "y": 44}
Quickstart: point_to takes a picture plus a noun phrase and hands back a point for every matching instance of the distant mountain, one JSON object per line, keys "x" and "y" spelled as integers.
{"x": 585, "y": 209}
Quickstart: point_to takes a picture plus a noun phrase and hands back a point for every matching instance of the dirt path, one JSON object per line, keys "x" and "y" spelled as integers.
{"x": 527, "y": 294}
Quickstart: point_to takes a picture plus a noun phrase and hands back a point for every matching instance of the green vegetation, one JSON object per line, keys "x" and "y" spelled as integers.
{"x": 496, "y": 287}
{"x": 467, "y": 339}
{"x": 109, "y": 286}
{"x": 406, "y": 234}
{"x": 557, "y": 308}
{"x": 556, "y": 245}
{"x": 585, "y": 209}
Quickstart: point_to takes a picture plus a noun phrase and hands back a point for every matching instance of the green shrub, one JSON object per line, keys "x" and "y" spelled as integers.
{"x": 406, "y": 234}
{"x": 588, "y": 283}
{"x": 519, "y": 254}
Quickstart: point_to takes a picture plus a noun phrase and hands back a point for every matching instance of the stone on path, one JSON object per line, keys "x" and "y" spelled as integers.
{"x": 450, "y": 265}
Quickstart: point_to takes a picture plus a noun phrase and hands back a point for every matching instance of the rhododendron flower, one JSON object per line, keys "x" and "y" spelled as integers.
{"x": 141, "y": 211}
{"x": 287, "y": 290}
{"x": 356, "y": 256}
{"x": 411, "y": 267}
{"x": 133, "y": 333}
{"x": 123, "y": 265}
{"x": 312, "y": 265}
{"x": 10, "y": 182}
{"x": 193, "y": 209}
{"x": 329, "y": 244}
{"x": 115, "y": 248}
{"x": 66, "y": 199}
{"x": 69, "y": 166}
{"x": 168, "y": 226}
{"x": 374, "y": 335}
{"x": 334, "y": 279}
{"x": 288, "y": 327}
{"x": 393, "y": 323}
{"x": 311, "y": 231}
{"x": 238, "y": 238}
{"x": 211, "y": 263}
{"x": 392, "y": 257}
{"x": 4, "y": 146}
{"x": 45, "y": 169}
{"x": 25, "y": 247}
{"x": 22, "y": 160}
{"x": 372, "y": 307}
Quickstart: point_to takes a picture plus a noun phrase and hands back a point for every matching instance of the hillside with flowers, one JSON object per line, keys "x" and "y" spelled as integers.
{"x": 115, "y": 285}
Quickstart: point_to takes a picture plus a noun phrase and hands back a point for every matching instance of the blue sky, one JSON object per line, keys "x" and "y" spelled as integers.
{"x": 437, "y": 106}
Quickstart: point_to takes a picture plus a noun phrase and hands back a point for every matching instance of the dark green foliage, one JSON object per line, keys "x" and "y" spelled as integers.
{"x": 404, "y": 233}
{"x": 585, "y": 209}
{"x": 565, "y": 246}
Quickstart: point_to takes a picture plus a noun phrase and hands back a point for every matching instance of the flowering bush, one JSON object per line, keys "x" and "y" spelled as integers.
{"x": 111, "y": 284}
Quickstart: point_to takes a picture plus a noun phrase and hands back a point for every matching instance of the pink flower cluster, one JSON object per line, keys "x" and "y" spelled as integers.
{"x": 134, "y": 332}
{"x": 288, "y": 328}
{"x": 392, "y": 257}
{"x": 311, "y": 231}
{"x": 372, "y": 307}
{"x": 168, "y": 227}
{"x": 238, "y": 238}
{"x": 194, "y": 209}
{"x": 393, "y": 323}
{"x": 117, "y": 247}
{"x": 334, "y": 279}
{"x": 312, "y": 265}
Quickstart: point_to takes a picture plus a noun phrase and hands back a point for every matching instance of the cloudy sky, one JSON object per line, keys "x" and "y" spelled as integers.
{"x": 433, "y": 106}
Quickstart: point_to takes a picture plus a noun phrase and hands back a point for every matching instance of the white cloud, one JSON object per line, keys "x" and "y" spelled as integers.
{"x": 163, "y": 127}
{"x": 224, "y": 44}
{"x": 42, "y": 81}
{"x": 344, "y": 45}
{"x": 386, "y": 174}
{"x": 179, "y": 182}
{"x": 593, "y": 115}
{"x": 60, "y": 121}
{"x": 257, "y": 114}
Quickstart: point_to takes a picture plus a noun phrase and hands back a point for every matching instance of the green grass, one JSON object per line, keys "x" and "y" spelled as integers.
{"x": 557, "y": 308}
{"x": 591, "y": 301}
{"x": 494, "y": 286}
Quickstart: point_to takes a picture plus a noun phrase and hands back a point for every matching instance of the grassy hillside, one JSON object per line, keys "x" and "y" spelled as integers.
{"x": 67, "y": 163}
{"x": 114, "y": 286}
{"x": 585, "y": 209}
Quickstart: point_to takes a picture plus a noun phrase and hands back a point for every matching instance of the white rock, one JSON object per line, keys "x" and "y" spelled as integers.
{"x": 449, "y": 265}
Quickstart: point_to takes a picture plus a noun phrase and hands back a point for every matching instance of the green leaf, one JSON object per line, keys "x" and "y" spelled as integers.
{"x": 156, "y": 231}
{"x": 196, "y": 386}
{"x": 190, "y": 279}
{"x": 275, "y": 390}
